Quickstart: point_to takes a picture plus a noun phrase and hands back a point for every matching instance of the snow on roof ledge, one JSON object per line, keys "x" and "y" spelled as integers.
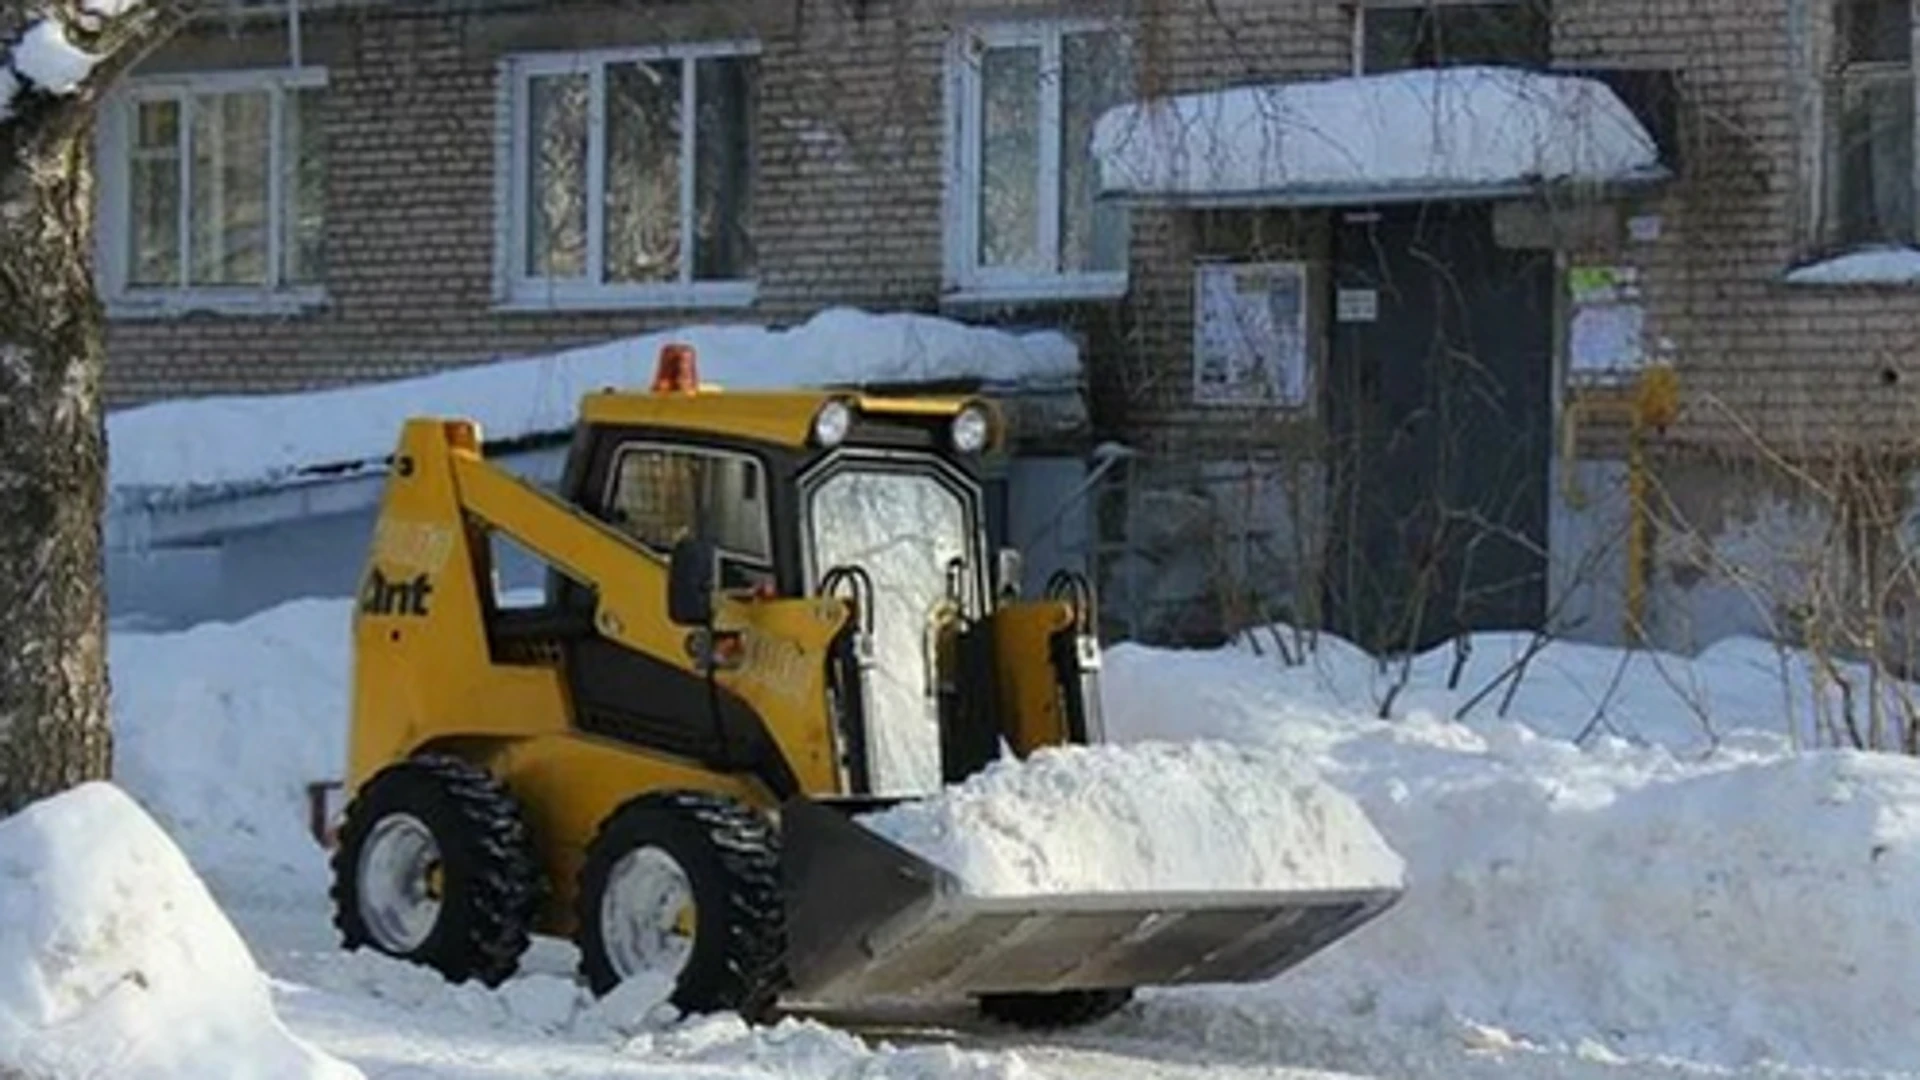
{"x": 1868, "y": 266}
{"x": 249, "y": 442}
{"x": 1434, "y": 132}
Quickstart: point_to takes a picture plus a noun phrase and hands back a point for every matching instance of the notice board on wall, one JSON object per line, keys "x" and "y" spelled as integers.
{"x": 1606, "y": 325}
{"x": 1250, "y": 335}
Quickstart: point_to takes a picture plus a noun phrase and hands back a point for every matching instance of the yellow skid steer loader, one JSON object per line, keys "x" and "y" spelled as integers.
{"x": 765, "y": 614}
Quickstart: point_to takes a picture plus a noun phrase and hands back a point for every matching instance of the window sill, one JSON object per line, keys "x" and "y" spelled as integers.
{"x": 1880, "y": 266}
{"x": 536, "y": 300}
{"x": 234, "y": 303}
{"x": 1037, "y": 290}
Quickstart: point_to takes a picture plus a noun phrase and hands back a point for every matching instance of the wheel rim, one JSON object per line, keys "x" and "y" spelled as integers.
{"x": 400, "y": 883}
{"x": 647, "y": 915}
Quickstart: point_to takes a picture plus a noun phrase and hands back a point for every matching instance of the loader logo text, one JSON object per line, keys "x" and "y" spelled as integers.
{"x": 384, "y": 597}
{"x": 773, "y": 663}
{"x": 415, "y": 545}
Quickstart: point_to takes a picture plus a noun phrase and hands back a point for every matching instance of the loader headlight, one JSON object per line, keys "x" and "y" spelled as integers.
{"x": 970, "y": 430}
{"x": 832, "y": 422}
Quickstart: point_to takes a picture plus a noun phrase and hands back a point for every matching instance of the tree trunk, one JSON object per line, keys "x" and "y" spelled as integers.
{"x": 54, "y": 731}
{"x": 54, "y": 727}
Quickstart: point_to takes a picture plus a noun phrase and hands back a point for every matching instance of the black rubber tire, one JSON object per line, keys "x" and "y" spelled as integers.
{"x": 731, "y": 856}
{"x": 492, "y": 886}
{"x": 1064, "y": 1009}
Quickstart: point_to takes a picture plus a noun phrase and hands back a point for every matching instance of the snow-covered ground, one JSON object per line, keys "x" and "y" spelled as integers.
{"x": 1683, "y": 894}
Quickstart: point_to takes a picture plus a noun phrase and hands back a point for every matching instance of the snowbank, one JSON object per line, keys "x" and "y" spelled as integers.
{"x": 257, "y": 440}
{"x": 1734, "y": 907}
{"x": 1462, "y": 127}
{"x": 1189, "y": 817}
{"x": 218, "y": 730}
{"x": 1874, "y": 266}
{"x": 1684, "y": 885}
{"x": 1754, "y": 692}
{"x": 114, "y": 961}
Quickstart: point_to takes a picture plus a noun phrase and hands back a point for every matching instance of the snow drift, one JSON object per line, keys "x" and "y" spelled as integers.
{"x": 1738, "y": 906}
{"x": 1686, "y": 884}
{"x": 114, "y": 960}
{"x": 218, "y": 729}
{"x": 1177, "y": 817}
{"x": 255, "y": 440}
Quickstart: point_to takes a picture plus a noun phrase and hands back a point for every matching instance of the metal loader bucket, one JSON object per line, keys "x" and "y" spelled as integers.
{"x": 868, "y": 920}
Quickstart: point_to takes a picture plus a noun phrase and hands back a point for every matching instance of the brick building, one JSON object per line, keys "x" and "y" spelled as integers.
{"x": 435, "y": 182}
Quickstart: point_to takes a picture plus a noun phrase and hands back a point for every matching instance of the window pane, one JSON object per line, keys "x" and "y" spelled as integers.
{"x": 556, "y": 210}
{"x": 228, "y": 205}
{"x": 1875, "y": 30}
{"x": 723, "y": 168}
{"x": 1518, "y": 33}
{"x": 304, "y": 188}
{"x": 1097, "y": 75}
{"x": 1010, "y": 159}
{"x": 154, "y": 195}
{"x": 643, "y": 172}
{"x": 659, "y": 495}
{"x": 1875, "y": 186}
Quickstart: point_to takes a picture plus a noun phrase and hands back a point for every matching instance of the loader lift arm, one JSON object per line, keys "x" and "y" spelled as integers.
{"x": 584, "y": 548}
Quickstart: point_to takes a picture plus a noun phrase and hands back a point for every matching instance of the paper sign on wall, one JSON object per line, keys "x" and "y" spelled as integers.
{"x": 1606, "y": 330}
{"x": 1250, "y": 334}
{"x": 1358, "y": 305}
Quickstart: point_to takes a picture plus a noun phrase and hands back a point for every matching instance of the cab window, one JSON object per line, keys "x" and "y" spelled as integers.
{"x": 658, "y": 493}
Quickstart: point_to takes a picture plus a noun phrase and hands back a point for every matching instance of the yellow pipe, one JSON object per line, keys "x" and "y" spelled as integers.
{"x": 1656, "y": 404}
{"x": 1637, "y": 533}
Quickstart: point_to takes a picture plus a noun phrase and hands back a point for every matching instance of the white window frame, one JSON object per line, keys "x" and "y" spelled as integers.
{"x": 1822, "y": 159}
{"x": 966, "y": 280}
{"x": 113, "y": 224}
{"x": 516, "y": 290}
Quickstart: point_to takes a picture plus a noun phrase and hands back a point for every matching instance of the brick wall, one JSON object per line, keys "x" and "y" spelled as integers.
{"x": 1799, "y": 368}
{"x": 848, "y": 198}
{"x": 848, "y": 202}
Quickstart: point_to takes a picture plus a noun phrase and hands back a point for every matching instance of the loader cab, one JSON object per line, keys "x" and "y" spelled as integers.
{"x": 795, "y": 495}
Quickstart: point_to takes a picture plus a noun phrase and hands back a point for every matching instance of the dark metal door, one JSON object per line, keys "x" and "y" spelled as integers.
{"x": 1440, "y": 424}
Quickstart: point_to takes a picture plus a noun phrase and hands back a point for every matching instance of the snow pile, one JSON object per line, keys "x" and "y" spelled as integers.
{"x": 1451, "y": 127}
{"x": 1189, "y": 817}
{"x": 114, "y": 961}
{"x": 260, "y": 439}
{"x": 1755, "y": 692}
{"x": 1871, "y": 266}
{"x": 1743, "y": 906}
{"x": 218, "y": 730}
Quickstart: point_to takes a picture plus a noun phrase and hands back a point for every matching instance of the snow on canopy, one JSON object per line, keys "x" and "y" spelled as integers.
{"x": 252, "y": 441}
{"x": 1462, "y": 128}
